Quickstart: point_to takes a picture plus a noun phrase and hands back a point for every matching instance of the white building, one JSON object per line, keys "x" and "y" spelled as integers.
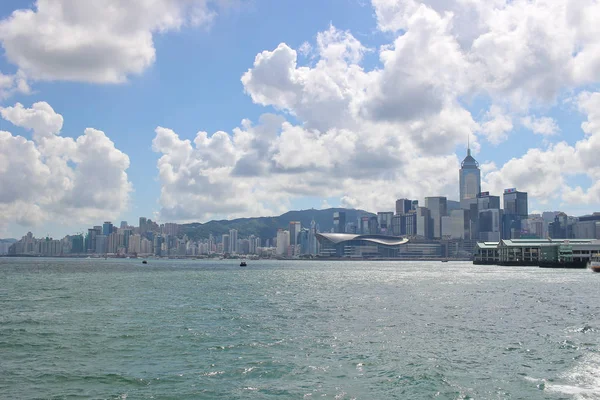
{"x": 283, "y": 242}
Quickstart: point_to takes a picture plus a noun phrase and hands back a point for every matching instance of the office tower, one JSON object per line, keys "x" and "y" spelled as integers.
{"x": 170, "y": 229}
{"x": 363, "y": 225}
{"x": 283, "y": 242}
{"x": 339, "y": 222}
{"x": 515, "y": 203}
{"x": 295, "y": 227}
{"x": 423, "y": 222}
{"x": 143, "y": 225}
{"x": 373, "y": 226}
{"x": 403, "y": 206}
{"x": 414, "y": 205}
{"x": 384, "y": 220}
{"x": 101, "y": 243}
{"x": 489, "y": 217}
{"x": 158, "y": 245}
{"x": 486, "y": 202}
{"x": 123, "y": 224}
{"x": 233, "y": 241}
{"x": 515, "y": 210}
{"x": 408, "y": 224}
{"x": 107, "y": 228}
{"x": 226, "y": 240}
{"x": 438, "y": 208}
{"x": 469, "y": 179}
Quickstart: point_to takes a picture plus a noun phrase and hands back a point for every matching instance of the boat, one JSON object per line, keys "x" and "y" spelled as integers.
{"x": 144, "y": 262}
{"x": 444, "y": 260}
{"x": 594, "y": 263}
{"x": 243, "y": 264}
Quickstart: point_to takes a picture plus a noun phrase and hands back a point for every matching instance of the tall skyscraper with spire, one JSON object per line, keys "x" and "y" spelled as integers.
{"x": 470, "y": 179}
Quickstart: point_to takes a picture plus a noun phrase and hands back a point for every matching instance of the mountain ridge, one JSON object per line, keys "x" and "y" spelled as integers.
{"x": 266, "y": 227}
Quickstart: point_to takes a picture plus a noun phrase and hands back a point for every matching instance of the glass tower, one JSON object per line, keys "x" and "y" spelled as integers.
{"x": 469, "y": 178}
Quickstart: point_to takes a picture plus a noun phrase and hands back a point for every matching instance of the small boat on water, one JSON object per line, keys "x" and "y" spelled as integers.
{"x": 594, "y": 263}
{"x": 243, "y": 264}
{"x": 144, "y": 262}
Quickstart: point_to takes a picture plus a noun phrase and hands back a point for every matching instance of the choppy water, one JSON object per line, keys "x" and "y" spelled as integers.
{"x": 344, "y": 330}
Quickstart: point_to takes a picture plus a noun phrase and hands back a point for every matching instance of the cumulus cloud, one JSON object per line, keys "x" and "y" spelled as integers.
{"x": 370, "y": 136}
{"x": 541, "y": 126}
{"x": 545, "y": 173}
{"x": 100, "y": 42}
{"x": 55, "y": 177}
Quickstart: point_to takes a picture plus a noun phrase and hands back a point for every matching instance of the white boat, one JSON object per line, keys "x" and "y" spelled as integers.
{"x": 594, "y": 263}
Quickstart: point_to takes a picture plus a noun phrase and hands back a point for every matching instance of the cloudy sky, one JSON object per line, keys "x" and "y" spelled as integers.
{"x": 189, "y": 110}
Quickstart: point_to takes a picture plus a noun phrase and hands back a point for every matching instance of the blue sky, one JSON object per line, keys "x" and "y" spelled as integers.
{"x": 194, "y": 84}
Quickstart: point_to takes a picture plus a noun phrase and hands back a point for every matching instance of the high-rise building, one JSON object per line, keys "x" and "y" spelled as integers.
{"x": 469, "y": 180}
{"x": 489, "y": 217}
{"x": 233, "y": 241}
{"x": 295, "y": 227}
{"x": 384, "y": 220}
{"x": 107, "y": 228}
{"x": 283, "y": 242}
{"x": 339, "y": 222}
{"x": 143, "y": 225}
{"x": 226, "y": 240}
{"x": 373, "y": 226}
{"x": 403, "y": 206}
{"x": 515, "y": 203}
{"x": 424, "y": 222}
{"x": 124, "y": 224}
{"x": 438, "y": 208}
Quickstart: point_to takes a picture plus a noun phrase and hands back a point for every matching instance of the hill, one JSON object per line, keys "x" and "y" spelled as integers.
{"x": 266, "y": 227}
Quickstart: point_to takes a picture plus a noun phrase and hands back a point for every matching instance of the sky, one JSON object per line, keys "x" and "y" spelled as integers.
{"x": 192, "y": 110}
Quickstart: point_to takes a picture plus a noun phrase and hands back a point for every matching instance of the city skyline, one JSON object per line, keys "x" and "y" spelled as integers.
{"x": 192, "y": 113}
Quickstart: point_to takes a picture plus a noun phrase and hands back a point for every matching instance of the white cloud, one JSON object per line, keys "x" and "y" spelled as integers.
{"x": 11, "y": 84}
{"x": 541, "y": 126}
{"x": 56, "y": 177}
{"x": 100, "y": 42}
{"x": 371, "y": 136}
{"x": 496, "y": 125}
{"x": 545, "y": 173}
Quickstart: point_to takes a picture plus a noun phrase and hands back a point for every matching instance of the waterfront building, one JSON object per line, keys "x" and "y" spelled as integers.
{"x": 532, "y": 251}
{"x": 77, "y": 244}
{"x": 170, "y": 229}
{"x": 363, "y": 225}
{"x": 359, "y": 246}
{"x": 373, "y": 228}
{"x": 226, "y": 240}
{"x": 384, "y": 220}
{"x": 408, "y": 224}
{"x": 438, "y": 208}
{"x": 107, "y": 228}
{"x": 403, "y": 206}
{"x": 295, "y": 227}
{"x": 424, "y": 222}
{"x": 233, "y": 241}
{"x": 339, "y": 222}
{"x": 469, "y": 180}
{"x": 101, "y": 244}
{"x": 515, "y": 210}
{"x": 143, "y": 225}
{"x": 283, "y": 242}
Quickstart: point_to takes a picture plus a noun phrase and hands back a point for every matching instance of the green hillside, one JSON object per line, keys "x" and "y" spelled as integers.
{"x": 266, "y": 227}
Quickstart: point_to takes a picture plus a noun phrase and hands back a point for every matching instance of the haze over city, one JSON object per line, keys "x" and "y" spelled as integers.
{"x": 196, "y": 110}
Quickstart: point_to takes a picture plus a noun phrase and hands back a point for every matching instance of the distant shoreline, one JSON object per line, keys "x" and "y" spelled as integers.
{"x": 194, "y": 258}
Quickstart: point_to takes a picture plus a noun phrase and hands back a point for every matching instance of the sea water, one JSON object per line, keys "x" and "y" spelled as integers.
{"x": 116, "y": 329}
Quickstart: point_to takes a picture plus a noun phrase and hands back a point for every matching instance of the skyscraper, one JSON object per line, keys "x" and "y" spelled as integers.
{"x": 469, "y": 180}
{"x": 515, "y": 203}
{"x": 339, "y": 222}
{"x": 438, "y": 208}
{"x": 403, "y": 206}
{"x": 233, "y": 241}
{"x": 515, "y": 211}
{"x": 107, "y": 228}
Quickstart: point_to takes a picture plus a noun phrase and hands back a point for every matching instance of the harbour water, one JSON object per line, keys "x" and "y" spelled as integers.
{"x": 175, "y": 329}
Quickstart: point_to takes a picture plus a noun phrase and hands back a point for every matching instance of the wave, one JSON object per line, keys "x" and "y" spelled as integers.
{"x": 582, "y": 381}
